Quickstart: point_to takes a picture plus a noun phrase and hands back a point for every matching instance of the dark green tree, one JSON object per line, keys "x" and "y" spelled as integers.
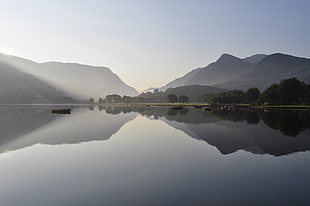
{"x": 100, "y": 100}
{"x": 126, "y": 99}
{"x": 172, "y": 98}
{"x": 307, "y": 93}
{"x": 291, "y": 91}
{"x": 113, "y": 98}
{"x": 91, "y": 101}
{"x": 183, "y": 98}
{"x": 252, "y": 95}
{"x": 270, "y": 95}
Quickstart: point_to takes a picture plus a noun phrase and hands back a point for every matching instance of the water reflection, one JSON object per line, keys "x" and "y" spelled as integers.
{"x": 147, "y": 162}
{"x": 274, "y": 132}
{"x": 241, "y": 129}
{"x": 39, "y": 125}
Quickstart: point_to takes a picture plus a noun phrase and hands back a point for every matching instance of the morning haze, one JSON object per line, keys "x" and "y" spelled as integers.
{"x": 149, "y": 43}
{"x": 136, "y": 102}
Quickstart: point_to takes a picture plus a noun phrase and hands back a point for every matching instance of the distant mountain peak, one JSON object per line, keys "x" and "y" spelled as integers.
{"x": 255, "y": 58}
{"x": 227, "y": 58}
{"x": 74, "y": 65}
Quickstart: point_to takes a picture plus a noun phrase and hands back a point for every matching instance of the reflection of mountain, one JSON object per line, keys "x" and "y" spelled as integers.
{"x": 230, "y": 131}
{"x": 19, "y": 120}
{"x": 279, "y": 132}
{"x": 229, "y": 137}
{"x": 82, "y": 126}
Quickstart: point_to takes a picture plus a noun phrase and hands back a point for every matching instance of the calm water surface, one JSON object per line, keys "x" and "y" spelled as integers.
{"x": 153, "y": 156}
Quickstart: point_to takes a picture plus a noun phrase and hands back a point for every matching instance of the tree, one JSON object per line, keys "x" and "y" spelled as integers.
{"x": 183, "y": 98}
{"x": 100, "y": 100}
{"x": 113, "y": 98}
{"x": 307, "y": 93}
{"x": 290, "y": 91}
{"x": 127, "y": 99}
{"x": 172, "y": 98}
{"x": 270, "y": 95}
{"x": 91, "y": 101}
{"x": 252, "y": 95}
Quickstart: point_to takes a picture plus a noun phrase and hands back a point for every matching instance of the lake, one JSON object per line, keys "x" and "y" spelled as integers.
{"x": 153, "y": 156}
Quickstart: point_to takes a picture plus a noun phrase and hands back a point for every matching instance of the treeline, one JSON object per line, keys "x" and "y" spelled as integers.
{"x": 234, "y": 96}
{"x": 288, "y": 91}
{"x": 189, "y": 93}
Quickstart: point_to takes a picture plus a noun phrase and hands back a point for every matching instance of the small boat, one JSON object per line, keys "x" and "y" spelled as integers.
{"x": 61, "y": 111}
{"x": 197, "y": 106}
{"x": 226, "y": 108}
{"x": 206, "y": 108}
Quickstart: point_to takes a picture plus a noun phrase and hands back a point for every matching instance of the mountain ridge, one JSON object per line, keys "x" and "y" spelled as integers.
{"x": 258, "y": 70}
{"x": 73, "y": 79}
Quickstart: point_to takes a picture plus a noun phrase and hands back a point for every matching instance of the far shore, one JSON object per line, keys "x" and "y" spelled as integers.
{"x": 293, "y": 107}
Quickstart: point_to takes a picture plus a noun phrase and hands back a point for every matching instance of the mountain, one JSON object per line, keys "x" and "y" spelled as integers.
{"x": 151, "y": 89}
{"x": 86, "y": 81}
{"x": 271, "y": 69}
{"x": 225, "y": 68}
{"x": 79, "y": 81}
{"x": 255, "y": 58}
{"x": 259, "y": 70}
{"x": 18, "y": 87}
{"x": 182, "y": 80}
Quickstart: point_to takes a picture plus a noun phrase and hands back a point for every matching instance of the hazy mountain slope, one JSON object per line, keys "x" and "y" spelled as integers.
{"x": 80, "y": 81}
{"x": 86, "y": 81}
{"x": 17, "y": 87}
{"x": 255, "y": 58}
{"x": 271, "y": 69}
{"x": 182, "y": 80}
{"x": 224, "y": 69}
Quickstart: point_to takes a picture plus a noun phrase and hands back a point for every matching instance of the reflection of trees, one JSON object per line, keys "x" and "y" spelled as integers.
{"x": 251, "y": 117}
{"x": 183, "y": 111}
{"x": 231, "y": 115}
{"x": 113, "y": 110}
{"x": 290, "y": 123}
{"x": 172, "y": 112}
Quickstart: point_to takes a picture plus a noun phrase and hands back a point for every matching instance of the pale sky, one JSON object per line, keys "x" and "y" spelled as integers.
{"x": 149, "y": 43}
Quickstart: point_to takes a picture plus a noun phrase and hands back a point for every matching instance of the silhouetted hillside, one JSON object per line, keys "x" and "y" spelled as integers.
{"x": 17, "y": 87}
{"x": 224, "y": 69}
{"x": 255, "y": 58}
{"x": 182, "y": 80}
{"x": 79, "y": 81}
{"x": 86, "y": 81}
{"x": 259, "y": 70}
{"x": 271, "y": 69}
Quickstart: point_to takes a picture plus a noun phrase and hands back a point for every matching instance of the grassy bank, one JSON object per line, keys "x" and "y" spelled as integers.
{"x": 156, "y": 104}
{"x": 305, "y": 107}
{"x": 283, "y": 107}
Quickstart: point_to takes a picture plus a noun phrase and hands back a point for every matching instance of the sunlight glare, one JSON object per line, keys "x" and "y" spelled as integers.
{"x": 7, "y": 50}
